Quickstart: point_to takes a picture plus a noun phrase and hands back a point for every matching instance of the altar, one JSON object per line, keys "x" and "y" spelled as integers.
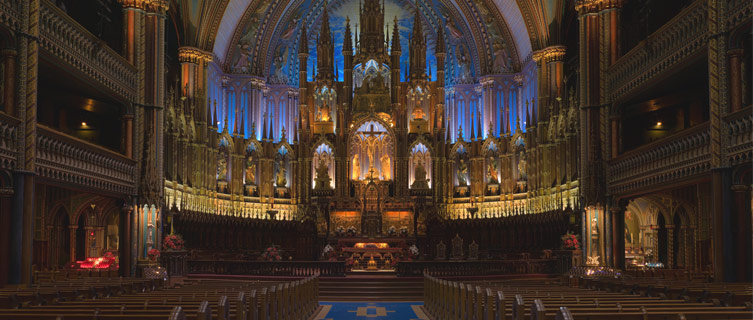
{"x": 369, "y": 255}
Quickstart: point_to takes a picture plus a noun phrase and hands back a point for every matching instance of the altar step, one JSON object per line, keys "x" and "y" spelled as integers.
{"x": 371, "y": 288}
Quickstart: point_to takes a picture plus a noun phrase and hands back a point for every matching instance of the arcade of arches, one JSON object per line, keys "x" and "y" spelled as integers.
{"x": 375, "y": 132}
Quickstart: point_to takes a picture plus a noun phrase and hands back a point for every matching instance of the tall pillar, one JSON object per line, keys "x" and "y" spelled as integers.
{"x": 722, "y": 239}
{"x": 618, "y": 237}
{"x": 125, "y": 242}
{"x": 741, "y": 198}
{"x": 9, "y": 81}
{"x": 735, "y": 79}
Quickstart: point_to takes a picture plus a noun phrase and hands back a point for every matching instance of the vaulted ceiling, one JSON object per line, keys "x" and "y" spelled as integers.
{"x": 246, "y": 36}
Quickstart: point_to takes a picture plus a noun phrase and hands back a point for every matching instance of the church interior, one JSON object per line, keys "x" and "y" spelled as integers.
{"x": 387, "y": 159}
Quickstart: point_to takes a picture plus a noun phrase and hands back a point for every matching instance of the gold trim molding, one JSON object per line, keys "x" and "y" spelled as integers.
{"x": 550, "y": 54}
{"x": 193, "y": 55}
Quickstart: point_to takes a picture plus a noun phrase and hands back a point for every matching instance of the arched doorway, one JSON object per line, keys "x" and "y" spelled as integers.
{"x": 61, "y": 239}
{"x": 662, "y": 237}
{"x": 677, "y": 242}
{"x": 81, "y": 238}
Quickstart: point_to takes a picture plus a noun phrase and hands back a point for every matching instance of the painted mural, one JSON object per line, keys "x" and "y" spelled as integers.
{"x": 461, "y": 66}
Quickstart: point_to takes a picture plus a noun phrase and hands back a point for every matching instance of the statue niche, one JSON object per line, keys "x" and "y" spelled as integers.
{"x": 420, "y": 161}
{"x": 322, "y": 163}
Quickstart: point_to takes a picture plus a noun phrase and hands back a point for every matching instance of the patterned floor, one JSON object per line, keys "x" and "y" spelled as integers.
{"x": 371, "y": 311}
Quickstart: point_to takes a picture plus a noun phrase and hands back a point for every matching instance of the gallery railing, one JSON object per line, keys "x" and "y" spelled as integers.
{"x": 8, "y": 141}
{"x": 268, "y": 268}
{"x": 66, "y": 39}
{"x": 680, "y": 38}
{"x": 445, "y": 268}
{"x": 739, "y": 135}
{"x": 71, "y": 160}
{"x": 677, "y": 156}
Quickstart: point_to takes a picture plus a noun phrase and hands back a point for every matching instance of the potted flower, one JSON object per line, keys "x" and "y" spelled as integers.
{"x": 404, "y": 231}
{"x": 570, "y": 241}
{"x": 329, "y": 253}
{"x": 271, "y": 254}
{"x": 392, "y": 231}
{"x": 153, "y": 254}
{"x": 173, "y": 242}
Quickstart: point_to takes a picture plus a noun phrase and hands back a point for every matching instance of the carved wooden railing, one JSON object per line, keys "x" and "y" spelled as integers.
{"x": 268, "y": 268}
{"x": 739, "y": 127}
{"x": 70, "y": 160}
{"x": 678, "y": 39}
{"x": 481, "y": 267}
{"x": 10, "y": 14}
{"x": 66, "y": 39}
{"x": 671, "y": 158}
{"x": 8, "y": 141}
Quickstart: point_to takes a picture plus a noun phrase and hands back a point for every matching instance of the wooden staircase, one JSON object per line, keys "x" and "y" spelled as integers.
{"x": 371, "y": 288}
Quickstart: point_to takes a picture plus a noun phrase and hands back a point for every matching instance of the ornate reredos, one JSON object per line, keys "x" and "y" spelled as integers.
{"x": 265, "y": 41}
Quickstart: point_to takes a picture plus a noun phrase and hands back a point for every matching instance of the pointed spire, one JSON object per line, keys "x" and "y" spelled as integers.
{"x": 447, "y": 129}
{"x": 225, "y": 123}
{"x": 295, "y": 134}
{"x": 271, "y": 130}
{"x": 473, "y": 127}
{"x": 253, "y": 130}
{"x": 264, "y": 128}
{"x": 347, "y": 38}
{"x": 479, "y": 127}
{"x": 395, "y": 38}
{"x": 439, "y": 47}
{"x": 242, "y": 132}
{"x": 212, "y": 117}
{"x": 303, "y": 44}
{"x": 460, "y": 132}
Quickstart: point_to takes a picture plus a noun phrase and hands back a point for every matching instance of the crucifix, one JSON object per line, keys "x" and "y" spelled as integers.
{"x": 371, "y": 139}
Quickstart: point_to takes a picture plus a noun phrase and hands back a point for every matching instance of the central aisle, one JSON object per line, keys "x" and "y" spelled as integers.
{"x": 371, "y": 311}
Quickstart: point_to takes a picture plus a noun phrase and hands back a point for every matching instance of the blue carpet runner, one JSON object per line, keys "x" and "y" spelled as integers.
{"x": 371, "y": 311}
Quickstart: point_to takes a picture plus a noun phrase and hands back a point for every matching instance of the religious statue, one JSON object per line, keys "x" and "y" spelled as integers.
{"x": 356, "y": 168}
{"x": 462, "y": 173}
{"x": 322, "y": 175}
{"x": 221, "y": 168}
{"x": 419, "y": 177}
{"x": 324, "y": 113}
{"x": 502, "y": 60}
{"x": 386, "y": 167}
{"x": 465, "y": 66}
{"x": 418, "y": 113}
{"x": 522, "y": 166}
{"x": 250, "y": 171}
{"x": 281, "y": 180}
{"x": 594, "y": 237}
{"x": 493, "y": 173}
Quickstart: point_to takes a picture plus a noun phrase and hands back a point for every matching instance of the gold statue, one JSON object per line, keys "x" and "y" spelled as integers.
{"x": 419, "y": 177}
{"x": 386, "y": 167}
{"x": 418, "y": 113}
{"x": 462, "y": 173}
{"x": 282, "y": 181}
{"x": 222, "y": 169}
{"x": 493, "y": 173}
{"x": 356, "y": 167}
{"x": 324, "y": 113}
{"x": 250, "y": 171}
{"x": 322, "y": 174}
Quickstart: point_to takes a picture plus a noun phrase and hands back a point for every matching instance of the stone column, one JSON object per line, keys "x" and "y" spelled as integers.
{"x": 618, "y": 237}
{"x": 735, "y": 79}
{"x": 9, "y": 81}
{"x": 125, "y": 249}
{"x": 742, "y": 212}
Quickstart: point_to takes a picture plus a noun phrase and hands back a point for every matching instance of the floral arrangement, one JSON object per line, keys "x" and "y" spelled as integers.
{"x": 173, "y": 242}
{"x": 404, "y": 231}
{"x": 392, "y": 230}
{"x": 153, "y": 254}
{"x": 271, "y": 254}
{"x": 329, "y": 253}
{"x": 570, "y": 241}
{"x": 340, "y": 231}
